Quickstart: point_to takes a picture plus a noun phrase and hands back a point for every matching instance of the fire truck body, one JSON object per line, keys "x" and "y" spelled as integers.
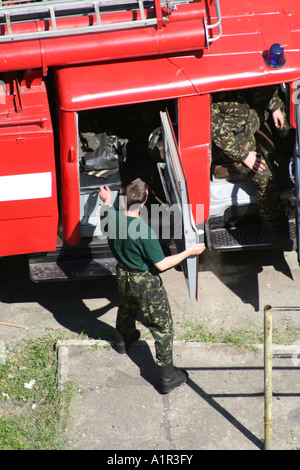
{"x": 136, "y": 67}
{"x": 28, "y": 174}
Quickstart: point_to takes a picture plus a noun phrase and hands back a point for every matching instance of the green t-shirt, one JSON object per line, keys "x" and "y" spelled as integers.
{"x": 131, "y": 240}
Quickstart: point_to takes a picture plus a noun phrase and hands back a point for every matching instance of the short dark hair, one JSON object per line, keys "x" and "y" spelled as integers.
{"x": 136, "y": 193}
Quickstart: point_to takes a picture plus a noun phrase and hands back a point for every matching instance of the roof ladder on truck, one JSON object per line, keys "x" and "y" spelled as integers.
{"x": 52, "y": 12}
{"x": 49, "y": 18}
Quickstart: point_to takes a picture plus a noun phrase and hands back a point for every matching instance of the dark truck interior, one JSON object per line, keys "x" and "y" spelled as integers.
{"x": 118, "y": 145}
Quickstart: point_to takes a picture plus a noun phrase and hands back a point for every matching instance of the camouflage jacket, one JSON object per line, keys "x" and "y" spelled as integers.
{"x": 237, "y": 115}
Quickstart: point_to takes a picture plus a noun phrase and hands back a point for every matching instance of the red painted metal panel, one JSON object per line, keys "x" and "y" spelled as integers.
{"x": 30, "y": 235}
{"x": 29, "y": 225}
{"x": 235, "y": 60}
{"x": 69, "y": 178}
{"x": 28, "y": 193}
{"x": 163, "y": 78}
{"x": 121, "y": 83}
{"x": 194, "y": 144}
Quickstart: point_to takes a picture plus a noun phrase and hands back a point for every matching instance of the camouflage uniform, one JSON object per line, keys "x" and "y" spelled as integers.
{"x": 144, "y": 291}
{"x": 140, "y": 286}
{"x": 236, "y": 117}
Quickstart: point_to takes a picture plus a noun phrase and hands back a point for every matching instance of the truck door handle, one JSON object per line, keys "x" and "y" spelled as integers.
{"x": 72, "y": 156}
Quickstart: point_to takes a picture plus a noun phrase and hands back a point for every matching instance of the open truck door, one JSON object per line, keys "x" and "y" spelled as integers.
{"x": 174, "y": 184}
{"x": 297, "y": 175}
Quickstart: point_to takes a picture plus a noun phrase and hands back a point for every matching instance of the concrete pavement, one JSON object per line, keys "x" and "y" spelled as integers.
{"x": 117, "y": 406}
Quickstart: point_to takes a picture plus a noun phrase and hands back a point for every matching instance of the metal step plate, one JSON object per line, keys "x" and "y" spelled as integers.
{"x": 71, "y": 269}
{"x": 241, "y": 237}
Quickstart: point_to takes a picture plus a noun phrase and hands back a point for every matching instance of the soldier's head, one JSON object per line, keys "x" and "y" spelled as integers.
{"x": 136, "y": 193}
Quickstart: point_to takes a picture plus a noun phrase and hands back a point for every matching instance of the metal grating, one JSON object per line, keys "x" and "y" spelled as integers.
{"x": 243, "y": 237}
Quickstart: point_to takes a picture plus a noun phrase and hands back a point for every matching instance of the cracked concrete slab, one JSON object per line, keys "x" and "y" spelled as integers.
{"x": 221, "y": 407}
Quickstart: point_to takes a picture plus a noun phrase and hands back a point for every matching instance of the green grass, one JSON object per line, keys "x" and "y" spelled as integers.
{"x": 30, "y": 415}
{"x": 195, "y": 332}
{"x": 238, "y": 337}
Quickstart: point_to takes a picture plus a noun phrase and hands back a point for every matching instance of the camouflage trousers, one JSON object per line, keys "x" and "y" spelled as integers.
{"x": 268, "y": 193}
{"x": 144, "y": 292}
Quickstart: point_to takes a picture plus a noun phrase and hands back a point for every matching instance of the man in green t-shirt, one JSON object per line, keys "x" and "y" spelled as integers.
{"x": 140, "y": 258}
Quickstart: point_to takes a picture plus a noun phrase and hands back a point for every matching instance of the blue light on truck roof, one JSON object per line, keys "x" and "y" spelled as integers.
{"x": 275, "y": 57}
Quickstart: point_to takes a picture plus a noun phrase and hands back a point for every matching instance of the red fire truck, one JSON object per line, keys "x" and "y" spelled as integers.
{"x": 129, "y": 73}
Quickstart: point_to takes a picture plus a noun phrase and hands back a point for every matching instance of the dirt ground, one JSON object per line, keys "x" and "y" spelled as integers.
{"x": 233, "y": 290}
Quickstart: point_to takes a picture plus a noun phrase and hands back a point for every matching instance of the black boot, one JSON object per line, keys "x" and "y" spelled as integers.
{"x": 171, "y": 378}
{"x": 124, "y": 341}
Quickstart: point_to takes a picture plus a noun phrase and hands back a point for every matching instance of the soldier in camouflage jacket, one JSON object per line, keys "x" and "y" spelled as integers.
{"x": 236, "y": 117}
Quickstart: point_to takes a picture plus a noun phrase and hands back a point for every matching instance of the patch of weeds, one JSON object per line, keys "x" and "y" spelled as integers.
{"x": 98, "y": 346}
{"x": 197, "y": 333}
{"x": 287, "y": 335}
{"x": 14, "y": 433}
{"x": 241, "y": 338}
{"x": 30, "y": 414}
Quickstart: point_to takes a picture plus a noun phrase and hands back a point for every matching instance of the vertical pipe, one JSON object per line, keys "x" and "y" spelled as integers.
{"x": 268, "y": 356}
